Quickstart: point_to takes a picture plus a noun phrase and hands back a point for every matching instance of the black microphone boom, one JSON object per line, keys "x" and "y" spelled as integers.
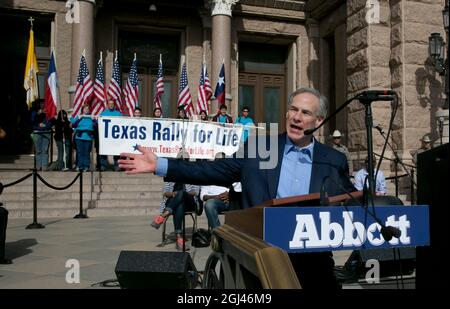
{"x": 377, "y": 95}
{"x": 369, "y": 95}
{"x": 379, "y": 92}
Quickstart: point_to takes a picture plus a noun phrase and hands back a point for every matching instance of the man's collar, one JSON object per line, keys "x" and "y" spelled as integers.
{"x": 290, "y": 146}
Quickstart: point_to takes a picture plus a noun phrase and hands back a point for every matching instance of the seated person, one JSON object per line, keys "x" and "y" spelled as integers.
{"x": 361, "y": 175}
{"x": 216, "y": 200}
{"x": 177, "y": 198}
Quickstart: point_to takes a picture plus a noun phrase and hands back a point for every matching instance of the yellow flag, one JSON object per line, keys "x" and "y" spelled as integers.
{"x": 30, "y": 82}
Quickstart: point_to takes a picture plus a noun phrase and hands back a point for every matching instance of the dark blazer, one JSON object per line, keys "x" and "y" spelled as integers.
{"x": 260, "y": 185}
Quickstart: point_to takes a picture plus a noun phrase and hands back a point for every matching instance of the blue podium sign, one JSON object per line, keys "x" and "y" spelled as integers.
{"x": 312, "y": 229}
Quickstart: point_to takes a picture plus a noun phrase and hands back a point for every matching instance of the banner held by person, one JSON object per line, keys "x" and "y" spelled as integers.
{"x": 166, "y": 137}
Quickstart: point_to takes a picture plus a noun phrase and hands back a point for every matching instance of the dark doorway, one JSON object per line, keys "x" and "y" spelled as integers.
{"x": 262, "y": 75}
{"x": 14, "y": 115}
{"x": 148, "y": 46}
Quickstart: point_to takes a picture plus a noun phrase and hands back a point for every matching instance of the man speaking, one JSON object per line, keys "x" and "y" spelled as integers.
{"x": 301, "y": 167}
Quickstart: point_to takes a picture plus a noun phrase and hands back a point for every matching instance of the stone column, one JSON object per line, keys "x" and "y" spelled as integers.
{"x": 314, "y": 50}
{"x": 221, "y": 43}
{"x": 83, "y": 38}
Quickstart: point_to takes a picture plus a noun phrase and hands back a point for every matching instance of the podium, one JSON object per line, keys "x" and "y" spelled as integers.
{"x": 247, "y": 261}
{"x": 253, "y": 244}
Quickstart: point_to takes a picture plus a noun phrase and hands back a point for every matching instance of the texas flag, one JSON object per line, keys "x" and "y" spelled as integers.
{"x": 51, "y": 90}
{"x": 220, "y": 87}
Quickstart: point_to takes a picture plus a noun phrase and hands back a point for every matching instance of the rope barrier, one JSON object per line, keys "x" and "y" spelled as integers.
{"x": 35, "y": 224}
{"x": 58, "y": 188}
{"x": 17, "y": 181}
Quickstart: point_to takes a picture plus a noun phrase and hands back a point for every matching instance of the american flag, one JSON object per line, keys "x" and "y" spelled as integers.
{"x": 131, "y": 89}
{"x": 99, "y": 103}
{"x": 204, "y": 91}
{"x": 159, "y": 85}
{"x": 84, "y": 88}
{"x": 184, "y": 97}
{"x": 114, "y": 89}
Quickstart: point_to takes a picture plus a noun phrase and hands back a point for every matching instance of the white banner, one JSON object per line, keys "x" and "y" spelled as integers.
{"x": 166, "y": 137}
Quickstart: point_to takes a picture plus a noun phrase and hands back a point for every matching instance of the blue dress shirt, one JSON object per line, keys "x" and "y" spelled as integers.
{"x": 296, "y": 168}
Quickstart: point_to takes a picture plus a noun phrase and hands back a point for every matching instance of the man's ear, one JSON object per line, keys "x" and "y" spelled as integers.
{"x": 319, "y": 120}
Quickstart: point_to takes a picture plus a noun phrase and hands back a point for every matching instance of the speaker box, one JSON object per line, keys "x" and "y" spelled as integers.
{"x": 155, "y": 269}
{"x": 432, "y": 190}
{"x": 402, "y": 262}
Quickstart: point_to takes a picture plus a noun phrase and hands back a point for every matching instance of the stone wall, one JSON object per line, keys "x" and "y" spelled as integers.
{"x": 393, "y": 54}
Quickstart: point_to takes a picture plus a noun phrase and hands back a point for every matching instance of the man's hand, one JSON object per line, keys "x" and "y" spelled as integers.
{"x": 139, "y": 163}
{"x": 223, "y": 196}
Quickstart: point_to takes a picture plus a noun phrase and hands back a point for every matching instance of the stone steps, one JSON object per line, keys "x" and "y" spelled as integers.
{"x": 112, "y": 193}
{"x": 128, "y": 211}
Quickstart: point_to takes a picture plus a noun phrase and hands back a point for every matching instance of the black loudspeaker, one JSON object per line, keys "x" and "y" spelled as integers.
{"x": 402, "y": 261}
{"x": 432, "y": 189}
{"x": 156, "y": 270}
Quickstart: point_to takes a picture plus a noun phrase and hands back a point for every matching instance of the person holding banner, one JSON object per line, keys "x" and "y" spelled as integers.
{"x": 137, "y": 112}
{"x": 303, "y": 165}
{"x": 84, "y": 134}
{"x": 111, "y": 111}
{"x": 157, "y": 112}
{"x": 203, "y": 115}
{"x": 222, "y": 116}
{"x": 181, "y": 114}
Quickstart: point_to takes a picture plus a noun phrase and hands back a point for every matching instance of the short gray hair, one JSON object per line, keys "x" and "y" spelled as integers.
{"x": 323, "y": 101}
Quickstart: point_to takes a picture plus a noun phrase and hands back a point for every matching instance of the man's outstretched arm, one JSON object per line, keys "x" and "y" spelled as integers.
{"x": 222, "y": 172}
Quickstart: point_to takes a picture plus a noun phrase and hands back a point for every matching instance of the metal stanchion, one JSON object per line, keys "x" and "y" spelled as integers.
{"x": 81, "y": 215}
{"x": 35, "y": 224}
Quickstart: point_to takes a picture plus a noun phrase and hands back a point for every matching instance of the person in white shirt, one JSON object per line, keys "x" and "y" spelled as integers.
{"x": 380, "y": 181}
{"x": 216, "y": 200}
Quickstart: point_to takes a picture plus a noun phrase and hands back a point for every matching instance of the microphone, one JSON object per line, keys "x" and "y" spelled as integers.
{"x": 377, "y": 95}
{"x": 310, "y": 131}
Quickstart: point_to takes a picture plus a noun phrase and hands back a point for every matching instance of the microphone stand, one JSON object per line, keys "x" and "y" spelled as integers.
{"x": 365, "y": 98}
{"x": 368, "y": 119}
{"x": 397, "y": 160}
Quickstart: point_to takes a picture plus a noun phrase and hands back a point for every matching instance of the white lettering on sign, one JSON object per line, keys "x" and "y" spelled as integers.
{"x": 350, "y": 234}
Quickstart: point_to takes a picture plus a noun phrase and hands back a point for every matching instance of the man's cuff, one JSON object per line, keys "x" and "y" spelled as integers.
{"x": 162, "y": 165}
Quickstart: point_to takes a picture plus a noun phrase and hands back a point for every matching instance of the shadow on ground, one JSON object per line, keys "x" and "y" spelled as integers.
{"x": 20, "y": 247}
